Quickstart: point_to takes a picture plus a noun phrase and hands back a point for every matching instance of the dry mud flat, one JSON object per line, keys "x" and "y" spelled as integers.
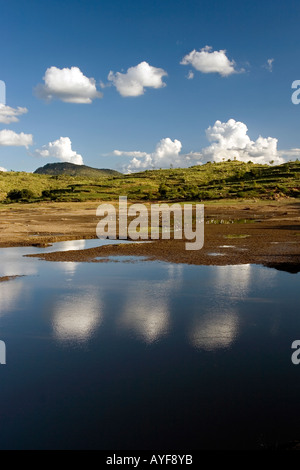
{"x": 235, "y": 233}
{"x": 44, "y": 223}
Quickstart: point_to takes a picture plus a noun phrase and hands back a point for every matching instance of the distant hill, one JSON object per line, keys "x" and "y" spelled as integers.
{"x": 230, "y": 180}
{"x": 70, "y": 169}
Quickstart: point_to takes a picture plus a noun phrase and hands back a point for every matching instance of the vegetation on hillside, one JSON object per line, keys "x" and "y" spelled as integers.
{"x": 212, "y": 181}
{"x": 65, "y": 168}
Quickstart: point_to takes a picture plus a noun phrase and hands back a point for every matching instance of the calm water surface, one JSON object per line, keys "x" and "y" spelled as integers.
{"x": 146, "y": 355}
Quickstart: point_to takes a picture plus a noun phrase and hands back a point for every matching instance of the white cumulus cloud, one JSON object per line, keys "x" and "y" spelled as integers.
{"x": 166, "y": 153}
{"x": 2, "y": 169}
{"x": 9, "y": 115}
{"x": 208, "y": 61}
{"x": 10, "y": 138}
{"x": 134, "y": 153}
{"x": 290, "y": 154}
{"x": 60, "y": 149}
{"x": 230, "y": 140}
{"x": 69, "y": 85}
{"x": 136, "y": 79}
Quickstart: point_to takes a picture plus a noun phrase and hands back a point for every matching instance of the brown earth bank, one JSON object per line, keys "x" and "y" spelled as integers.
{"x": 8, "y": 278}
{"x": 246, "y": 232}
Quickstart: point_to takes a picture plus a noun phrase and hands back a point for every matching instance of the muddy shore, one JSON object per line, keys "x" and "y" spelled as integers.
{"x": 8, "y": 278}
{"x": 265, "y": 233}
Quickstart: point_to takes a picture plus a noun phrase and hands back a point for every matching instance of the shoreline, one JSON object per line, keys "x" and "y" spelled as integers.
{"x": 10, "y": 278}
{"x": 173, "y": 251}
{"x": 235, "y": 233}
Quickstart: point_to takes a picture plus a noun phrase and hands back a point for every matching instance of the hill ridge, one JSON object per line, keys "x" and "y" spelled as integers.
{"x": 67, "y": 168}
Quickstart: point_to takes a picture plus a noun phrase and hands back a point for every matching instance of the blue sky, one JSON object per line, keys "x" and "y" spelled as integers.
{"x": 167, "y": 122}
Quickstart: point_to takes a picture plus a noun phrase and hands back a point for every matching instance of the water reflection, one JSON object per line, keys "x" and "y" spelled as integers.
{"x": 72, "y": 245}
{"x": 12, "y": 263}
{"x": 69, "y": 267}
{"x": 243, "y": 384}
{"x": 146, "y": 314}
{"x": 11, "y": 293}
{"x": 214, "y": 330}
{"x": 145, "y": 300}
{"x": 77, "y": 316}
{"x": 235, "y": 281}
{"x": 147, "y": 306}
{"x": 219, "y": 323}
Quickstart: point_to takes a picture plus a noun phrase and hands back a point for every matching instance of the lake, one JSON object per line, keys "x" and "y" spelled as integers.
{"x": 131, "y": 354}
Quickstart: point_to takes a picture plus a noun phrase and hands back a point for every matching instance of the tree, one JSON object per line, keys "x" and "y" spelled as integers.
{"x": 162, "y": 190}
{"x": 18, "y": 195}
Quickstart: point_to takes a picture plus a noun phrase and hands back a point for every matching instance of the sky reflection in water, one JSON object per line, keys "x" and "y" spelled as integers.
{"x": 79, "y": 305}
{"x": 141, "y": 342}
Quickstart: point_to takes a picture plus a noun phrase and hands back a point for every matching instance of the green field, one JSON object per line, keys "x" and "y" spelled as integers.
{"x": 212, "y": 181}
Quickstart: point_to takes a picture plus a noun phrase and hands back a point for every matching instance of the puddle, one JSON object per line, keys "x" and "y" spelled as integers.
{"x": 231, "y": 221}
{"x": 121, "y": 259}
{"x": 237, "y": 248}
{"x": 216, "y": 254}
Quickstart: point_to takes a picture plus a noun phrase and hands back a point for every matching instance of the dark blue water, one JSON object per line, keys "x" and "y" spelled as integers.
{"x": 146, "y": 355}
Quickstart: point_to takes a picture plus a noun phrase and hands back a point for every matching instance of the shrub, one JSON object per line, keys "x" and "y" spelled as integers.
{"x": 162, "y": 190}
{"x": 46, "y": 194}
{"x": 20, "y": 195}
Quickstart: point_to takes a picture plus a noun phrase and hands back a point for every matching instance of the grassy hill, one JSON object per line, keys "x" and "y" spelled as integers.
{"x": 212, "y": 181}
{"x": 65, "y": 168}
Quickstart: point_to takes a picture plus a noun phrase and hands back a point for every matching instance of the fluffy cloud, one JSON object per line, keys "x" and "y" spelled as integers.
{"x": 9, "y": 138}
{"x": 60, "y": 149}
{"x": 2, "y": 169}
{"x": 135, "y": 154}
{"x": 290, "y": 154}
{"x": 269, "y": 65}
{"x": 166, "y": 153}
{"x": 136, "y": 79}
{"x": 208, "y": 61}
{"x": 230, "y": 140}
{"x": 68, "y": 85}
{"x": 8, "y": 114}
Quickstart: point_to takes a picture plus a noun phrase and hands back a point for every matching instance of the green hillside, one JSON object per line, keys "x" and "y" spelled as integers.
{"x": 212, "y": 181}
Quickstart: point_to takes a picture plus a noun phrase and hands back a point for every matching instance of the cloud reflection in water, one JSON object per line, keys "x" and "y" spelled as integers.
{"x": 11, "y": 294}
{"x": 77, "y": 316}
{"x": 214, "y": 330}
{"x": 147, "y": 307}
